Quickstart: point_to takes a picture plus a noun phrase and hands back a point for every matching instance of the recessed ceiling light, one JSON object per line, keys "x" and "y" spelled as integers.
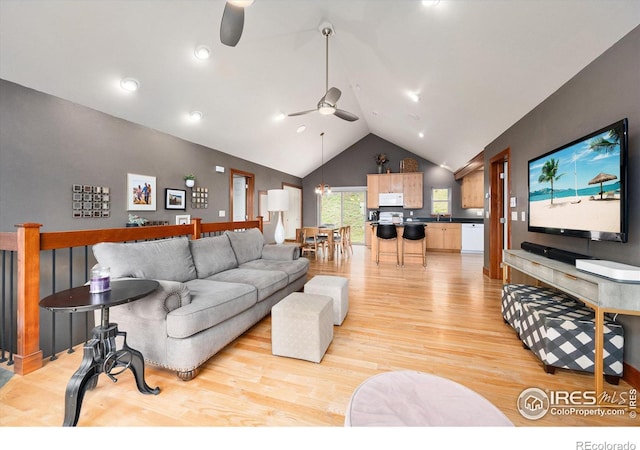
{"x": 414, "y": 96}
{"x": 421, "y": 135}
{"x": 301, "y": 129}
{"x": 202, "y": 52}
{"x": 130, "y": 84}
{"x": 430, "y": 2}
{"x": 280, "y": 116}
{"x": 195, "y": 116}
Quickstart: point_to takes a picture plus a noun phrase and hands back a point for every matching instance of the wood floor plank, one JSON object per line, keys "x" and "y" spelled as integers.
{"x": 444, "y": 320}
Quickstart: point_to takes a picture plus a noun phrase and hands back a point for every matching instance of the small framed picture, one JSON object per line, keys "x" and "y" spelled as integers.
{"x": 183, "y": 219}
{"x": 141, "y": 192}
{"x": 175, "y": 199}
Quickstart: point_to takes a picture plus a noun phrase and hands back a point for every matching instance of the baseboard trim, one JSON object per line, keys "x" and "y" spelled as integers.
{"x": 485, "y": 272}
{"x": 631, "y": 375}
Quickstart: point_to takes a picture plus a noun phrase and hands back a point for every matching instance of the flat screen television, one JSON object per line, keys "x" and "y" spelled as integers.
{"x": 580, "y": 189}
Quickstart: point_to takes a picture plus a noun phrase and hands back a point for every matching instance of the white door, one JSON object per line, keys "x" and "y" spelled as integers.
{"x": 292, "y": 219}
{"x": 239, "y": 198}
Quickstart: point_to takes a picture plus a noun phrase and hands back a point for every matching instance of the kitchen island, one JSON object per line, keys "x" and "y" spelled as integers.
{"x": 444, "y": 235}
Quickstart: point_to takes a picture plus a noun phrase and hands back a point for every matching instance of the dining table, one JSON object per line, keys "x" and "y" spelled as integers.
{"x": 329, "y": 231}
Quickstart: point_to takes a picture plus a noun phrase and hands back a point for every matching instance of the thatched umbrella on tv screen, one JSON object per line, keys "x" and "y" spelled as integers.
{"x": 601, "y": 178}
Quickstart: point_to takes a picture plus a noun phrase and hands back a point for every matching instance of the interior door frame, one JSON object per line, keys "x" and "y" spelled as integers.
{"x": 250, "y": 179}
{"x": 498, "y": 206}
{"x": 295, "y": 186}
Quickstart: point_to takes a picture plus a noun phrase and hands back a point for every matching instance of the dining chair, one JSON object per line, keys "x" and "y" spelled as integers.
{"x": 347, "y": 239}
{"x": 310, "y": 241}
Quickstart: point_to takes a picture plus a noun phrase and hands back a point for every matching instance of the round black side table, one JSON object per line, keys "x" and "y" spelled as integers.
{"x": 101, "y": 353}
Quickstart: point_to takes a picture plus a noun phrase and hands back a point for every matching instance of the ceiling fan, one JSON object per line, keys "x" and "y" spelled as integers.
{"x": 327, "y": 104}
{"x": 233, "y": 21}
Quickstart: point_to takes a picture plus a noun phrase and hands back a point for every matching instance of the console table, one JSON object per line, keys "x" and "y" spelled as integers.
{"x": 101, "y": 353}
{"x": 600, "y": 294}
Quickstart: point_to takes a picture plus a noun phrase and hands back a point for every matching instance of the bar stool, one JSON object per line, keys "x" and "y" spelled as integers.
{"x": 386, "y": 232}
{"x": 415, "y": 233}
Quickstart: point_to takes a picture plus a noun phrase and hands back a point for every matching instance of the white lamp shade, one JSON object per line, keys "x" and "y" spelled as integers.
{"x": 277, "y": 200}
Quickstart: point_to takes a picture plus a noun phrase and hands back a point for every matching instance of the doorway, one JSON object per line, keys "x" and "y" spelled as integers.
{"x": 293, "y": 217}
{"x": 241, "y": 185}
{"x": 499, "y": 230}
{"x": 345, "y": 206}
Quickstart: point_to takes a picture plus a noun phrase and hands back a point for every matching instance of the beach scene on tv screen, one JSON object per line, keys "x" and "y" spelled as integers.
{"x": 578, "y": 187}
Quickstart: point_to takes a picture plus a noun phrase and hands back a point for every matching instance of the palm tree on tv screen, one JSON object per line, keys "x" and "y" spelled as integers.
{"x": 606, "y": 145}
{"x": 550, "y": 173}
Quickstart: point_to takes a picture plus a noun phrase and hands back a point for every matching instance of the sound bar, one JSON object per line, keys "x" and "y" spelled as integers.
{"x": 553, "y": 253}
{"x": 534, "y": 248}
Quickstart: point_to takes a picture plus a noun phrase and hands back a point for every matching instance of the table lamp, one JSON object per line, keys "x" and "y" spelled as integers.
{"x": 278, "y": 201}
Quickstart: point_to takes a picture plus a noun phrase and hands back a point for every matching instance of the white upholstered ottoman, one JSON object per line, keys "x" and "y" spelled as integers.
{"x": 335, "y": 287}
{"x": 302, "y": 326}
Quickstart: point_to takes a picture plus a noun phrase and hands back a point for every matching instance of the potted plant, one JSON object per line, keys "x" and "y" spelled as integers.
{"x": 190, "y": 180}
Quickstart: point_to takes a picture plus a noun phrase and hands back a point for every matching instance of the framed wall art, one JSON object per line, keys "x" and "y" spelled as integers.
{"x": 175, "y": 199}
{"x": 183, "y": 219}
{"x": 141, "y": 192}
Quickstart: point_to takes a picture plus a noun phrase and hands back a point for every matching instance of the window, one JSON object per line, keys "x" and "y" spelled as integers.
{"x": 441, "y": 201}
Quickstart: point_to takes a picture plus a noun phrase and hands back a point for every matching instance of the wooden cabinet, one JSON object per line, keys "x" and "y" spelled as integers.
{"x": 444, "y": 236}
{"x": 472, "y": 190}
{"x": 390, "y": 182}
{"x": 372, "y": 191}
{"x": 410, "y": 184}
{"x": 412, "y": 190}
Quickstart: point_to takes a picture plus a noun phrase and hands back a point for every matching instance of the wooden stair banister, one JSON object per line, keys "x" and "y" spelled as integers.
{"x": 28, "y": 357}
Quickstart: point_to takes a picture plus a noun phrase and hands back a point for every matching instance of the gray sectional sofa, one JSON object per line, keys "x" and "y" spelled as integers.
{"x": 211, "y": 291}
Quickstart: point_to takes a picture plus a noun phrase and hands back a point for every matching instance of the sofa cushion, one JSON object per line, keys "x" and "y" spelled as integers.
{"x": 266, "y": 281}
{"x": 281, "y": 251}
{"x": 212, "y": 302}
{"x": 294, "y": 268}
{"x": 212, "y": 255}
{"x": 247, "y": 245}
{"x": 164, "y": 259}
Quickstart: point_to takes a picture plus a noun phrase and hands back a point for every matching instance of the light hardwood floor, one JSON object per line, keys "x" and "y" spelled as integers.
{"x": 444, "y": 320}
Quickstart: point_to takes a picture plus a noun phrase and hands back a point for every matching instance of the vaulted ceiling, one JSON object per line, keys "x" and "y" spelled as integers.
{"x": 476, "y": 67}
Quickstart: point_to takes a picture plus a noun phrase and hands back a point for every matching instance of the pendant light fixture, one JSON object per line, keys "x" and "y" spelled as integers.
{"x": 322, "y": 188}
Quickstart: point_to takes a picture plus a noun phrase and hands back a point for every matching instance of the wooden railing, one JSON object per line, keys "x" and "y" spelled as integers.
{"x": 27, "y": 243}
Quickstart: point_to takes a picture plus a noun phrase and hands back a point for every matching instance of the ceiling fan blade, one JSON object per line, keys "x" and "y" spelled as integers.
{"x": 231, "y": 25}
{"x": 332, "y": 96}
{"x": 345, "y": 115}
{"x": 301, "y": 112}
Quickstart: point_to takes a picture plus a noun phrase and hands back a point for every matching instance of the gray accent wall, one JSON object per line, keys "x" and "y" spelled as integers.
{"x": 350, "y": 168}
{"x": 48, "y": 144}
{"x": 605, "y": 91}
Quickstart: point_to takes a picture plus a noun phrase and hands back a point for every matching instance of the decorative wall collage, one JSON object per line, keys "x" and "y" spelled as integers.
{"x": 90, "y": 201}
{"x": 95, "y": 201}
{"x": 200, "y": 197}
